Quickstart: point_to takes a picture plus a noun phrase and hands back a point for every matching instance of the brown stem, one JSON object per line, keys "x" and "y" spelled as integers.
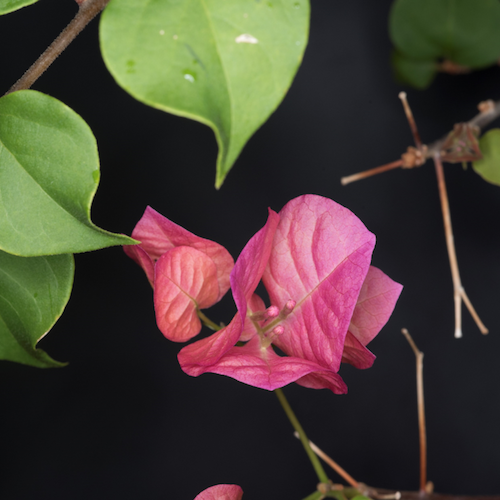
{"x": 411, "y": 120}
{"x": 452, "y": 68}
{"x": 485, "y": 117}
{"x": 418, "y": 495}
{"x": 458, "y": 291}
{"x": 380, "y": 493}
{"x": 86, "y": 12}
{"x": 372, "y": 171}
{"x": 334, "y": 465}
{"x": 398, "y": 163}
{"x": 419, "y": 356}
{"x": 473, "y": 312}
{"x": 481, "y": 120}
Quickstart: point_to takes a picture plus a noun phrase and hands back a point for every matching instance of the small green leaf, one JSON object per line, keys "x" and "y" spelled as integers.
{"x": 418, "y": 74}
{"x": 33, "y": 294}
{"x": 7, "y": 6}
{"x": 489, "y": 167}
{"x": 463, "y": 31}
{"x": 339, "y": 495}
{"x": 361, "y": 497}
{"x": 225, "y": 63}
{"x": 317, "y": 495}
{"x": 49, "y": 172}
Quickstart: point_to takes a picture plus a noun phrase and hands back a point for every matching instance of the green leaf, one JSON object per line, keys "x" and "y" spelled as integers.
{"x": 33, "y": 294}
{"x": 317, "y": 495}
{"x": 7, "y": 6}
{"x": 489, "y": 167}
{"x": 463, "y": 31}
{"x": 418, "y": 74}
{"x": 49, "y": 172}
{"x": 225, "y": 63}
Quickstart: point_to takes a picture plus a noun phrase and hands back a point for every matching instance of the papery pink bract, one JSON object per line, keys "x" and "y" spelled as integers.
{"x": 221, "y": 492}
{"x": 195, "y": 358}
{"x": 262, "y": 367}
{"x": 187, "y": 272}
{"x": 319, "y": 258}
{"x": 185, "y": 279}
{"x": 374, "y": 307}
{"x": 158, "y": 235}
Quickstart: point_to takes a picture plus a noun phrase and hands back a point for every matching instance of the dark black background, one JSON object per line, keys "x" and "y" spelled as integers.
{"x": 123, "y": 421}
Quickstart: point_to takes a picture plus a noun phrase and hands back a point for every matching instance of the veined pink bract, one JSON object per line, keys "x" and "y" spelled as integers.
{"x": 221, "y": 492}
{"x": 327, "y": 301}
{"x": 187, "y": 272}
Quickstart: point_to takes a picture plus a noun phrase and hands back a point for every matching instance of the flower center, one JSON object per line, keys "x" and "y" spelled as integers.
{"x": 267, "y": 323}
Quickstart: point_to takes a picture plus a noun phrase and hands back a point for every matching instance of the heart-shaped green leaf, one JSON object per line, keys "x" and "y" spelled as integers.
{"x": 462, "y": 31}
{"x": 49, "y": 172}
{"x": 7, "y": 6}
{"x": 414, "y": 72}
{"x": 489, "y": 167}
{"x": 33, "y": 294}
{"x": 225, "y": 63}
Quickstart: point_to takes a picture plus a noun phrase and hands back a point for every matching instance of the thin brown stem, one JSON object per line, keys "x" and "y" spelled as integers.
{"x": 473, "y": 312}
{"x": 418, "y": 495}
{"x": 419, "y": 356}
{"x": 86, "y": 12}
{"x": 372, "y": 171}
{"x": 481, "y": 120}
{"x": 450, "y": 245}
{"x": 411, "y": 120}
{"x": 334, "y": 465}
{"x": 458, "y": 291}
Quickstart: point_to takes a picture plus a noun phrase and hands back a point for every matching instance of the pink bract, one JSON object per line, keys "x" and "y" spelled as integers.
{"x": 314, "y": 260}
{"x": 187, "y": 272}
{"x": 221, "y": 492}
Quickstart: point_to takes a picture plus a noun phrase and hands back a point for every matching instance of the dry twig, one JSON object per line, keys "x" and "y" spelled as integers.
{"x": 438, "y": 150}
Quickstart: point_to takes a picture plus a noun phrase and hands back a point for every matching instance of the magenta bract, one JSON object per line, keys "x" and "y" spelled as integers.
{"x": 314, "y": 260}
{"x": 187, "y": 272}
{"x": 221, "y": 492}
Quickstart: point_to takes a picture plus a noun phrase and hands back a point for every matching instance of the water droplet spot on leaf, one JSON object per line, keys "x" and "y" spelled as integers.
{"x": 189, "y": 75}
{"x": 246, "y": 38}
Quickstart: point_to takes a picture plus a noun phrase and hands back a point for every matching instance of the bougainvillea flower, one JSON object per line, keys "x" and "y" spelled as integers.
{"x": 221, "y": 492}
{"x": 327, "y": 302}
{"x": 187, "y": 273}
